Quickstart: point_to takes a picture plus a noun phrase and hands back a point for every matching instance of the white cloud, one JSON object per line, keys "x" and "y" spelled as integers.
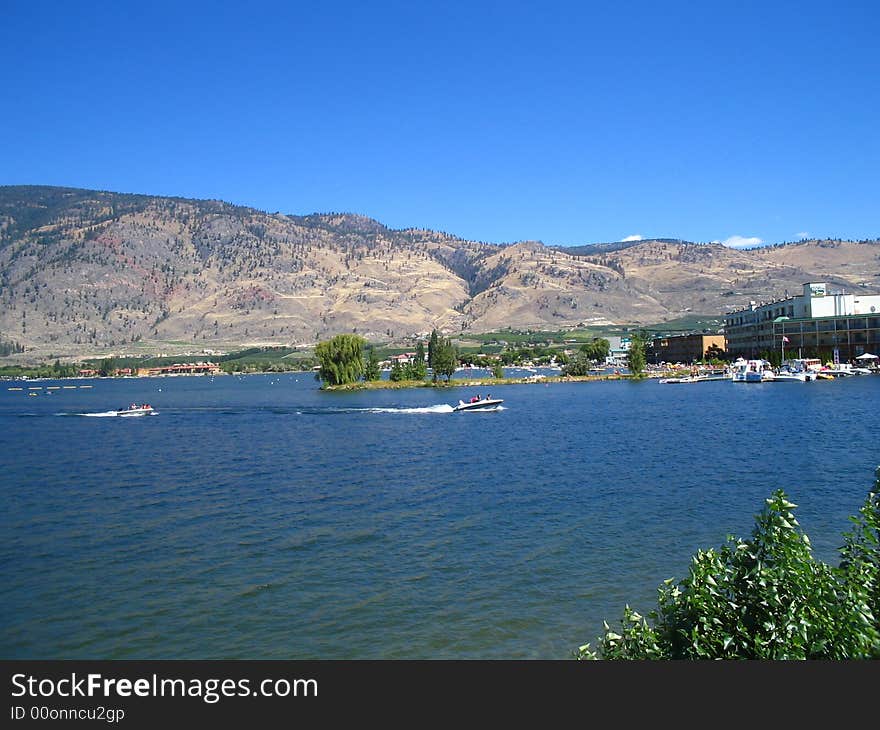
{"x": 635, "y": 237}
{"x": 802, "y": 236}
{"x": 741, "y": 242}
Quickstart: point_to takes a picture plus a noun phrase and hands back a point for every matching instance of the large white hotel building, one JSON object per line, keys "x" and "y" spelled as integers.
{"x": 820, "y": 323}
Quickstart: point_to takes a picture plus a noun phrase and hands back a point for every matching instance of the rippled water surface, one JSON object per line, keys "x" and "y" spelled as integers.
{"x": 257, "y": 517}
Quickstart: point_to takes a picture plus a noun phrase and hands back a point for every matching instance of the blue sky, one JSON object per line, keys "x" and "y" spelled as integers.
{"x": 564, "y": 122}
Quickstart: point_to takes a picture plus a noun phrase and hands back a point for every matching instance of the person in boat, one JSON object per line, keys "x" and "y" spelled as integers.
{"x": 488, "y": 397}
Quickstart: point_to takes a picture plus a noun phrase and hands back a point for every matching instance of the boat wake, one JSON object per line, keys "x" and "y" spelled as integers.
{"x": 327, "y": 411}
{"x": 440, "y": 408}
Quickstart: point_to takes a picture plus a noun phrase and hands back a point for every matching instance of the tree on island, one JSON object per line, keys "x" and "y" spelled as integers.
{"x": 419, "y": 368}
{"x": 764, "y": 598}
{"x": 398, "y": 372}
{"x": 371, "y": 367}
{"x": 598, "y": 349}
{"x": 432, "y": 348}
{"x": 587, "y": 356}
{"x": 445, "y": 358}
{"x": 580, "y": 364}
{"x": 636, "y": 356}
{"x": 341, "y": 359}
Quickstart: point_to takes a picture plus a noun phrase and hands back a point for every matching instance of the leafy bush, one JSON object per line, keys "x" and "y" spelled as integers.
{"x": 764, "y": 598}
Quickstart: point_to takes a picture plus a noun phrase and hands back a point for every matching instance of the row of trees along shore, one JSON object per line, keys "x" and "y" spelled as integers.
{"x": 347, "y": 358}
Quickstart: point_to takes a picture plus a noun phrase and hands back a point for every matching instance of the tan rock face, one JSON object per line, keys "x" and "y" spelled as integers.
{"x": 83, "y": 270}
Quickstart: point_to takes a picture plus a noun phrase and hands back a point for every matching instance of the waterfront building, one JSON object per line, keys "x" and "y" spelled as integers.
{"x": 183, "y": 368}
{"x": 618, "y": 351}
{"x": 821, "y": 322}
{"x": 686, "y": 348}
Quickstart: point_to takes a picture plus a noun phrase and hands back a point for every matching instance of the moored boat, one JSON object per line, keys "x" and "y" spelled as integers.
{"x": 788, "y": 376}
{"x": 794, "y": 371}
{"x": 837, "y": 372}
{"x": 751, "y": 371}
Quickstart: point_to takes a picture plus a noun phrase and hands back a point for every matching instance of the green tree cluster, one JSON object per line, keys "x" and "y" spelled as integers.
{"x": 598, "y": 349}
{"x": 8, "y": 347}
{"x": 372, "y": 371}
{"x": 764, "y": 598}
{"x": 341, "y": 359}
{"x": 415, "y": 370}
{"x": 637, "y": 354}
{"x": 578, "y": 365}
{"x": 587, "y": 357}
{"x": 536, "y": 355}
{"x": 444, "y": 358}
{"x": 433, "y": 342}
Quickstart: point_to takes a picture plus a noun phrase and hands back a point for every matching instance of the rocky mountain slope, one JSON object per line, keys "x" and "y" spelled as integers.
{"x": 82, "y": 270}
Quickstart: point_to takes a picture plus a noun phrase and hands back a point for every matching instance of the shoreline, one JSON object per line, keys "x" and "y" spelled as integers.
{"x": 471, "y": 383}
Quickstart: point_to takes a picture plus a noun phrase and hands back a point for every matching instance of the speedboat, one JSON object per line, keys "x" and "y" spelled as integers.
{"x": 479, "y": 405}
{"x": 136, "y": 409}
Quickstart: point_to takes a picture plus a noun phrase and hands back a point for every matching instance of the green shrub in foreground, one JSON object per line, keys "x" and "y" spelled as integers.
{"x": 764, "y": 598}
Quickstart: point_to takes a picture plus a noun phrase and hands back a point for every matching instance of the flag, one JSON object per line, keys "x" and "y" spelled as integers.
{"x": 785, "y": 339}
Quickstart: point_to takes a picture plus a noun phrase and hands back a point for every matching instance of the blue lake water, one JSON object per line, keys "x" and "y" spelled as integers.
{"x": 257, "y": 517}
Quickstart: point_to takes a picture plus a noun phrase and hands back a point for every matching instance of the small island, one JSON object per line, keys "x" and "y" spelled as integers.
{"x": 346, "y": 362}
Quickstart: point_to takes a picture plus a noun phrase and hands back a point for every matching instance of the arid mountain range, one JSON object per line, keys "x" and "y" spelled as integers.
{"x": 84, "y": 271}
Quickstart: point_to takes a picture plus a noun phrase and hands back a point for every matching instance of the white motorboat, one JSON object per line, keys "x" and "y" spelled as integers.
{"x": 855, "y": 370}
{"x": 794, "y": 371}
{"x": 837, "y": 372}
{"x": 136, "y": 409}
{"x": 694, "y": 379}
{"x": 484, "y": 404}
{"x": 751, "y": 371}
{"x": 787, "y": 376}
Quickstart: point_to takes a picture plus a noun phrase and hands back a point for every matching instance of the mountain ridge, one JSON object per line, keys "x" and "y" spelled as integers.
{"x": 83, "y": 269}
